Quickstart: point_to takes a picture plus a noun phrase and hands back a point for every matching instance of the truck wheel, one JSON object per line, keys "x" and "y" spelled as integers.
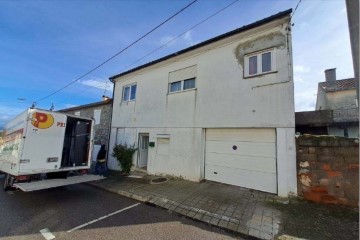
{"x": 8, "y": 181}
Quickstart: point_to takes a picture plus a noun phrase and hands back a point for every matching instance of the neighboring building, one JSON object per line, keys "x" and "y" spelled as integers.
{"x": 101, "y": 112}
{"x": 221, "y": 110}
{"x": 352, "y": 8}
{"x": 339, "y": 97}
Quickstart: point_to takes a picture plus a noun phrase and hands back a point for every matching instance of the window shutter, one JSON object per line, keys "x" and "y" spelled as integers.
{"x": 182, "y": 74}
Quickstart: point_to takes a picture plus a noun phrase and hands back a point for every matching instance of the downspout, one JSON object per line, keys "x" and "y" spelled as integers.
{"x": 110, "y": 127}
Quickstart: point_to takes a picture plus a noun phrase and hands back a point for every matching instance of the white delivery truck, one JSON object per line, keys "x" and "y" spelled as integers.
{"x": 43, "y": 149}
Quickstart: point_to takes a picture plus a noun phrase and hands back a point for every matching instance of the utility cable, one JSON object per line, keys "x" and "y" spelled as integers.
{"x": 173, "y": 39}
{"x": 118, "y": 53}
{"x": 297, "y": 5}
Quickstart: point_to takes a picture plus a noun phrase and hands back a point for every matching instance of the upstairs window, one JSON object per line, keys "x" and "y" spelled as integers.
{"x": 129, "y": 93}
{"x": 182, "y": 85}
{"x": 182, "y": 79}
{"x": 260, "y": 63}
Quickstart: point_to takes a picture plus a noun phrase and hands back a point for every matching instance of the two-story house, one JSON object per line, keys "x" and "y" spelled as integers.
{"x": 221, "y": 110}
{"x": 339, "y": 97}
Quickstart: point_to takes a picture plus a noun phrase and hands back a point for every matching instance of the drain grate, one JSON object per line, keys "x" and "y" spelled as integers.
{"x": 158, "y": 180}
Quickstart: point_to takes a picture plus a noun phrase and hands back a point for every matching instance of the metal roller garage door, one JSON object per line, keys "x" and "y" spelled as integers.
{"x": 242, "y": 157}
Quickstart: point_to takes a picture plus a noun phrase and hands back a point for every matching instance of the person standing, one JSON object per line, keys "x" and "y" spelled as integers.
{"x": 100, "y": 167}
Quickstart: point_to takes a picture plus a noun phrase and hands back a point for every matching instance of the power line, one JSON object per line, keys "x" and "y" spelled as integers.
{"x": 173, "y": 39}
{"x": 168, "y": 42}
{"x": 118, "y": 53}
{"x": 297, "y": 5}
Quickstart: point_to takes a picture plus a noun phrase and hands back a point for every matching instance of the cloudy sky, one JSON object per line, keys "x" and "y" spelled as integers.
{"x": 45, "y": 45}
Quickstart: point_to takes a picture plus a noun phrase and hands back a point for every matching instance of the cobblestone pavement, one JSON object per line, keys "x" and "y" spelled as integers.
{"x": 240, "y": 210}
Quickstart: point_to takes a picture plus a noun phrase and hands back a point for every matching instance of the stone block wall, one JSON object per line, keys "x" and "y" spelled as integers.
{"x": 328, "y": 169}
{"x": 102, "y": 130}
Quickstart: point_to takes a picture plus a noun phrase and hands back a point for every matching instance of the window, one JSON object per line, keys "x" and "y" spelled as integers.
{"x": 97, "y": 115}
{"x": 129, "y": 93}
{"x": 260, "y": 63}
{"x": 189, "y": 83}
{"x": 175, "y": 86}
{"x": 182, "y": 85}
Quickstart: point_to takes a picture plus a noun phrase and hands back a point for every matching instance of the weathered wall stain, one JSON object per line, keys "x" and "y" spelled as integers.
{"x": 272, "y": 40}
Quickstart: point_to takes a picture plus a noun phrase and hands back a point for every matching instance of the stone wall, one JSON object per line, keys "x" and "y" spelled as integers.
{"x": 328, "y": 169}
{"x": 102, "y": 130}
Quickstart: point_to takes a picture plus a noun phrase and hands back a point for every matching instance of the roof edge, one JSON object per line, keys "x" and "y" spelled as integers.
{"x": 206, "y": 42}
{"x": 86, "y": 105}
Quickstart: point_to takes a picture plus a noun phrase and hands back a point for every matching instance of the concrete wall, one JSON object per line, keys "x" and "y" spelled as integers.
{"x": 222, "y": 98}
{"x": 328, "y": 169}
{"x": 321, "y": 101}
{"x": 352, "y": 7}
{"x": 182, "y": 158}
{"x": 341, "y": 99}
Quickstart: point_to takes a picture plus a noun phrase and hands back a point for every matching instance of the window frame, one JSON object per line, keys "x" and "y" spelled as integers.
{"x": 182, "y": 86}
{"x": 259, "y": 62}
{"x": 123, "y": 92}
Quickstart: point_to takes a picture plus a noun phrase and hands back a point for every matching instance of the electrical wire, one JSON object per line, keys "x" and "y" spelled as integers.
{"x": 118, "y": 53}
{"x": 173, "y": 39}
{"x": 168, "y": 42}
{"x": 297, "y": 5}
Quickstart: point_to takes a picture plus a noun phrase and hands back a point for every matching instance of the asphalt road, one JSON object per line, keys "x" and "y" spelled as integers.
{"x": 23, "y": 215}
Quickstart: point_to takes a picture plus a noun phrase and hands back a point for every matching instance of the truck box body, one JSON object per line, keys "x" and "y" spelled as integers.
{"x": 40, "y": 141}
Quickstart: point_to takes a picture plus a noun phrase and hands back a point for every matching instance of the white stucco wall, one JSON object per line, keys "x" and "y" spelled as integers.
{"x": 286, "y": 161}
{"x": 222, "y": 98}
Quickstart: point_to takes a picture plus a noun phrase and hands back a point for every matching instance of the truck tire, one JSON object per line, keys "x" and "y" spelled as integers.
{"x": 8, "y": 181}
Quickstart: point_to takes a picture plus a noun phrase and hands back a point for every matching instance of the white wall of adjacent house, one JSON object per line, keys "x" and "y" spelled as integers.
{"x": 222, "y": 98}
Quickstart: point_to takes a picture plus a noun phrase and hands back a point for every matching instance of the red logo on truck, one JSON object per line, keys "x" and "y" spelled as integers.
{"x": 42, "y": 120}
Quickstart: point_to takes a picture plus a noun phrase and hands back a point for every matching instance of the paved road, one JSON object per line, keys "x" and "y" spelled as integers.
{"x": 23, "y": 215}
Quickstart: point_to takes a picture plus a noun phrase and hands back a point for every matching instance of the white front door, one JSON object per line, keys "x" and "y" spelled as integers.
{"x": 143, "y": 150}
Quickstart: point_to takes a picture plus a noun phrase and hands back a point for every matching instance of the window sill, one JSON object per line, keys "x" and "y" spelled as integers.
{"x": 187, "y": 90}
{"x": 128, "y": 101}
{"x": 259, "y": 74}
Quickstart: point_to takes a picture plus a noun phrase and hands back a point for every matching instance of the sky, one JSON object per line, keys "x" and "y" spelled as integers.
{"x": 45, "y": 45}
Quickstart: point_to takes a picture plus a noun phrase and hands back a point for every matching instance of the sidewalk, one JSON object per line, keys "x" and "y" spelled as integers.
{"x": 257, "y": 214}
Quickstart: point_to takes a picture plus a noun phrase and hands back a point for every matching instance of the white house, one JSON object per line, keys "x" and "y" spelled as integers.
{"x": 221, "y": 110}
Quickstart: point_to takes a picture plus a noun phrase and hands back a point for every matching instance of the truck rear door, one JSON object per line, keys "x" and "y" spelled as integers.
{"x": 43, "y": 143}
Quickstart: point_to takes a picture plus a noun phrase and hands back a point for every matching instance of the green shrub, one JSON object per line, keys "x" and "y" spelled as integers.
{"x": 123, "y": 154}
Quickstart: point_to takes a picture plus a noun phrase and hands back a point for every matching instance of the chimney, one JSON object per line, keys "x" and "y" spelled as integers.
{"x": 330, "y": 76}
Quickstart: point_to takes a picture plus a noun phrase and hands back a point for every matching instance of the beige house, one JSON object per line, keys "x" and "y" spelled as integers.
{"x": 221, "y": 110}
{"x": 339, "y": 96}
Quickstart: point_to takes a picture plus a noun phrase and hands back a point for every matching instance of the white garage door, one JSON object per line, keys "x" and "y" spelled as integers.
{"x": 242, "y": 157}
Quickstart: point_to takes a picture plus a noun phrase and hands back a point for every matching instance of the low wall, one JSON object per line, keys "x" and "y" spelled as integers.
{"x": 328, "y": 169}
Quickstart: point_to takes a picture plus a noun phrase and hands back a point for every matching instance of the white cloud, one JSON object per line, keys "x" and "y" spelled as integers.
{"x": 298, "y": 79}
{"x": 68, "y": 105}
{"x": 188, "y": 38}
{"x": 305, "y": 100}
{"x": 301, "y": 69}
{"x": 98, "y": 83}
{"x": 185, "y": 39}
{"x": 7, "y": 113}
{"x": 168, "y": 40}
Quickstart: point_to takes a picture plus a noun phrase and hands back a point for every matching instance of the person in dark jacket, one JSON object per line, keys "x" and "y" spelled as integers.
{"x": 100, "y": 167}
